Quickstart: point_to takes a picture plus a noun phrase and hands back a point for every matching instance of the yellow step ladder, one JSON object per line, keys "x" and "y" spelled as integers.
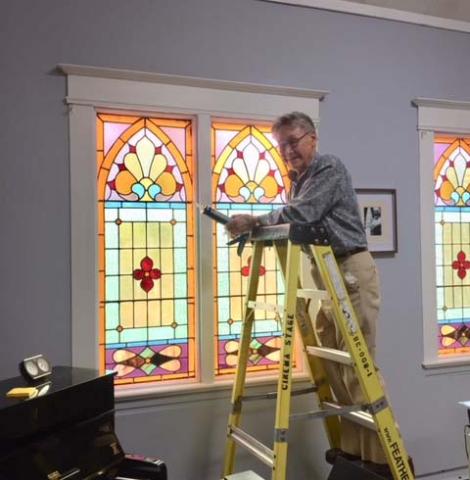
{"x": 376, "y": 414}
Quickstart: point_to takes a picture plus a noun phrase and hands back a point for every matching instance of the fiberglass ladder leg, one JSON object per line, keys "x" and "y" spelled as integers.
{"x": 380, "y": 417}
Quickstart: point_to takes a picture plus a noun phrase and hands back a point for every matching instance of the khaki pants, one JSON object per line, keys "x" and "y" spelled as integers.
{"x": 362, "y": 282}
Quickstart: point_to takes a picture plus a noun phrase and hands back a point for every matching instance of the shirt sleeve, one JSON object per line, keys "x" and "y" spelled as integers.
{"x": 316, "y": 198}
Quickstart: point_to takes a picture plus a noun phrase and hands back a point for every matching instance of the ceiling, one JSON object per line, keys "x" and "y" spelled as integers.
{"x": 453, "y": 9}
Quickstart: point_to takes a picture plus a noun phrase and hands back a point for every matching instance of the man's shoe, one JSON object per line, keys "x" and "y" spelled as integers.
{"x": 380, "y": 469}
{"x": 383, "y": 469}
{"x": 333, "y": 453}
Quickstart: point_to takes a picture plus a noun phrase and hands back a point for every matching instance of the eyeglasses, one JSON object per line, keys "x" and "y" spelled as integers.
{"x": 293, "y": 142}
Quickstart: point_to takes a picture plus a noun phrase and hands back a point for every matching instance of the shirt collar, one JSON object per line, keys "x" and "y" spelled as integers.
{"x": 309, "y": 170}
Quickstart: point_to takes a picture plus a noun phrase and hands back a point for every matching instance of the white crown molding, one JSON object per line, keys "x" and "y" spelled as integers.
{"x": 180, "y": 80}
{"x": 441, "y": 103}
{"x": 444, "y": 116}
{"x": 380, "y": 12}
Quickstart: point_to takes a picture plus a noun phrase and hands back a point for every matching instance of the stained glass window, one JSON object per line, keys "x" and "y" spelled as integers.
{"x": 452, "y": 227}
{"x": 248, "y": 177}
{"x": 146, "y": 248}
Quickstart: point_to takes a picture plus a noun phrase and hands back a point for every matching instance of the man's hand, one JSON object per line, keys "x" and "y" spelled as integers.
{"x": 239, "y": 224}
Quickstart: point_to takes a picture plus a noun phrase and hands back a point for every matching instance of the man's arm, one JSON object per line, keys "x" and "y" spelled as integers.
{"x": 317, "y": 196}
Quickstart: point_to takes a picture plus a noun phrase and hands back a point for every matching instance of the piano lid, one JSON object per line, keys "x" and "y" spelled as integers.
{"x": 69, "y": 395}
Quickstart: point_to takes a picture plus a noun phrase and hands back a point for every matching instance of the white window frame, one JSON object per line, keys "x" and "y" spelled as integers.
{"x": 435, "y": 116}
{"x": 92, "y": 89}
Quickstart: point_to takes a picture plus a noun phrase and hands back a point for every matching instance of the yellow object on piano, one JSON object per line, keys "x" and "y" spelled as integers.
{"x": 23, "y": 392}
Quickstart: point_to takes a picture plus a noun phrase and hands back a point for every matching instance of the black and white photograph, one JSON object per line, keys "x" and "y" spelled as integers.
{"x": 373, "y": 221}
{"x": 378, "y": 213}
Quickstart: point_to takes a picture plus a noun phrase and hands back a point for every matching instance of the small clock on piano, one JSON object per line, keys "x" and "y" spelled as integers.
{"x": 36, "y": 367}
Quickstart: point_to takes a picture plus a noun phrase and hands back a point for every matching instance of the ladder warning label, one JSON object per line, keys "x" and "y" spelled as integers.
{"x": 399, "y": 461}
{"x": 348, "y": 315}
{"x": 397, "y": 456}
{"x": 364, "y": 361}
{"x": 286, "y": 360}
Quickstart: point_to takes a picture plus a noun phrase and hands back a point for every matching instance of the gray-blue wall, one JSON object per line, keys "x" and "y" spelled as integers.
{"x": 373, "y": 69}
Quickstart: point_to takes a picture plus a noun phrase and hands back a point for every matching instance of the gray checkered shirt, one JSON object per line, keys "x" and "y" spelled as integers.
{"x": 324, "y": 193}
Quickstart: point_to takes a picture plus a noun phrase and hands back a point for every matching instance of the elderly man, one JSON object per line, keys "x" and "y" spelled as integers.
{"x": 322, "y": 191}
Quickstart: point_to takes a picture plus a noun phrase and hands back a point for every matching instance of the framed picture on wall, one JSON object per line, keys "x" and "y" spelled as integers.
{"x": 377, "y": 208}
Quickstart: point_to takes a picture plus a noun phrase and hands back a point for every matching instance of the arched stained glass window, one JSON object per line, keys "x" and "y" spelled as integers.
{"x": 248, "y": 177}
{"x": 452, "y": 224}
{"x": 146, "y": 248}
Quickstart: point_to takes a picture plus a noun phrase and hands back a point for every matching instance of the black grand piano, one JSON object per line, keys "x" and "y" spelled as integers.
{"x": 66, "y": 432}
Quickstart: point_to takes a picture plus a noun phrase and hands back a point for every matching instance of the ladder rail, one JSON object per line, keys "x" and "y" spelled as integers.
{"x": 240, "y": 376}
{"x": 364, "y": 366}
{"x": 281, "y": 423}
{"x": 314, "y": 365}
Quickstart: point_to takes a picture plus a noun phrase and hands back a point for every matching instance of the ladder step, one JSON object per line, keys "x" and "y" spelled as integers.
{"x": 362, "y": 418}
{"x": 327, "y": 412}
{"x": 355, "y": 413}
{"x": 273, "y": 395}
{"x": 269, "y": 307}
{"x": 301, "y": 293}
{"x": 265, "y": 454}
{"x": 243, "y": 476}
{"x": 313, "y": 294}
{"x": 331, "y": 354}
{"x": 270, "y": 232}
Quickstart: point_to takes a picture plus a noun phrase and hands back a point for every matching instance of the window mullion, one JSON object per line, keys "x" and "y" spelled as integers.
{"x": 205, "y": 251}
{"x": 84, "y": 301}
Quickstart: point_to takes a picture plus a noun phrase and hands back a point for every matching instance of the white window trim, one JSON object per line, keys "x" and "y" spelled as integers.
{"x": 92, "y": 89}
{"x": 405, "y": 16}
{"x": 435, "y": 116}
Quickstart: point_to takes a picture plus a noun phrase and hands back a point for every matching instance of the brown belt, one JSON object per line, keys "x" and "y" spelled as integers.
{"x": 346, "y": 255}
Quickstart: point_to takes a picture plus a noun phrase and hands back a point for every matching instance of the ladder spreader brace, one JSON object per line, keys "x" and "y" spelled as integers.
{"x": 376, "y": 414}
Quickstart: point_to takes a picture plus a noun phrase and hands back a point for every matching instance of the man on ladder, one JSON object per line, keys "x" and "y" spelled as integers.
{"x": 322, "y": 192}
